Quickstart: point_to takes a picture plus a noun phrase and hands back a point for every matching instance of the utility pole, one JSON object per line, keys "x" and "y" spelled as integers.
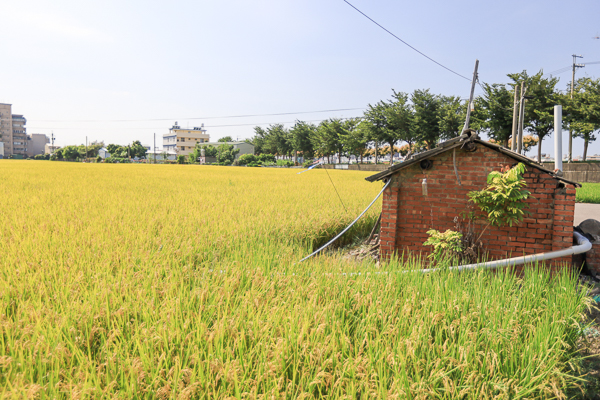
{"x": 521, "y": 118}
{"x": 86, "y": 153}
{"x": 513, "y": 142}
{"x": 470, "y": 97}
{"x": 154, "y": 148}
{"x": 575, "y": 66}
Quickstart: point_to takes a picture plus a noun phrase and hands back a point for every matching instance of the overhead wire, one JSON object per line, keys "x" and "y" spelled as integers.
{"x": 186, "y": 119}
{"x": 336, "y": 191}
{"x": 211, "y": 126}
{"x": 413, "y": 48}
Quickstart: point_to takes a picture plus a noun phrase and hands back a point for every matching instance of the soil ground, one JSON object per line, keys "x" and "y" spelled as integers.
{"x": 584, "y": 211}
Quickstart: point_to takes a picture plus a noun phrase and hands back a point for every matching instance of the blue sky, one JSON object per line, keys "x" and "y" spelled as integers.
{"x": 75, "y": 68}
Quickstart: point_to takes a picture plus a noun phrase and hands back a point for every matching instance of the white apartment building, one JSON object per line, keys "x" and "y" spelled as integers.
{"x": 182, "y": 141}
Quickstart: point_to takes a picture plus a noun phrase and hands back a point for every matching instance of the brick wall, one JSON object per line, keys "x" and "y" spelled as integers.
{"x": 592, "y": 257}
{"x": 407, "y": 215}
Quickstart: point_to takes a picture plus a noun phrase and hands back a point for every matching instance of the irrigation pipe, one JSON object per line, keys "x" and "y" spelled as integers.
{"x": 583, "y": 245}
{"x": 349, "y": 226}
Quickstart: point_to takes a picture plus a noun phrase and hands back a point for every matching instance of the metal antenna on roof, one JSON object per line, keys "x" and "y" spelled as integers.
{"x": 470, "y": 105}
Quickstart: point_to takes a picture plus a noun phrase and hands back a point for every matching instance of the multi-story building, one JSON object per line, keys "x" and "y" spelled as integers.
{"x": 13, "y": 132}
{"x": 19, "y": 135}
{"x": 36, "y": 144}
{"x": 182, "y": 141}
{"x": 6, "y": 128}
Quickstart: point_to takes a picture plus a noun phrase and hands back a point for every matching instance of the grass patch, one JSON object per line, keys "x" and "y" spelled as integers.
{"x": 588, "y": 193}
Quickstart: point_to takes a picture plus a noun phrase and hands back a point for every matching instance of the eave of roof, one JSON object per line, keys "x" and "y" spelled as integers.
{"x": 459, "y": 142}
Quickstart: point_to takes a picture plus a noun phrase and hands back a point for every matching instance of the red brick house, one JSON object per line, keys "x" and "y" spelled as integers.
{"x": 455, "y": 168}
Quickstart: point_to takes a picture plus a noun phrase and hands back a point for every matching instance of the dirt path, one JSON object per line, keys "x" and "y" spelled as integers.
{"x": 585, "y": 211}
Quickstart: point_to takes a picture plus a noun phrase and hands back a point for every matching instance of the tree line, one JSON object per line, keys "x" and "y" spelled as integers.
{"x": 117, "y": 152}
{"x": 409, "y": 123}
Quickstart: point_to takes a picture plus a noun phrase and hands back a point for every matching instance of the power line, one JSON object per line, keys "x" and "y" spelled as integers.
{"x": 339, "y": 197}
{"x": 185, "y": 119}
{"x": 420, "y": 52}
{"x": 568, "y": 68}
{"x": 207, "y": 126}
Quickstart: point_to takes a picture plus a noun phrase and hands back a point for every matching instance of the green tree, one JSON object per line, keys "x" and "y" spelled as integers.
{"x": 426, "y": 125}
{"x": 355, "y": 142}
{"x": 113, "y": 149}
{"x": 539, "y": 111}
{"x": 137, "y": 150}
{"x": 278, "y": 140}
{"x": 583, "y": 111}
{"x": 451, "y": 116}
{"x": 399, "y": 118}
{"x": 259, "y": 140}
{"x": 209, "y": 150}
{"x": 226, "y": 154}
{"x": 225, "y": 139}
{"x": 376, "y": 116}
{"x": 301, "y": 134}
{"x": 327, "y": 139}
{"x": 497, "y": 104}
{"x": 70, "y": 152}
{"x": 195, "y": 154}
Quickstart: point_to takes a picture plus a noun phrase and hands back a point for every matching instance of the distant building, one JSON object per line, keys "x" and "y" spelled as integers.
{"x": 103, "y": 153}
{"x": 1, "y": 150}
{"x": 12, "y": 132}
{"x": 182, "y": 141}
{"x": 36, "y": 144}
{"x": 50, "y": 148}
{"x": 161, "y": 155}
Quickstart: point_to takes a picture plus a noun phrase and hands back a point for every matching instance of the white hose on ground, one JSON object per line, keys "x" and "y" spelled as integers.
{"x": 348, "y": 227}
{"x": 583, "y": 245}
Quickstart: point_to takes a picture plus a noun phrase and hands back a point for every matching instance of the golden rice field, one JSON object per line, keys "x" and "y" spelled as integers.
{"x": 181, "y": 282}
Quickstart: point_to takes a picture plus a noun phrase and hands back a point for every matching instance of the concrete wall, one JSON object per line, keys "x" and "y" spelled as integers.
{"x": 579, "y": 172}
{"x": 407, "y": 214}
{"x": 360, "y": 167}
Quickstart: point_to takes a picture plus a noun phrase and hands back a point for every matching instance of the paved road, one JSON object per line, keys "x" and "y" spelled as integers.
{"x": 584, "y": 211}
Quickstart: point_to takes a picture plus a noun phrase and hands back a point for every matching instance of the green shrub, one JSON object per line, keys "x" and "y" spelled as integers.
{"x": 246, "y": 159}
{"x": 181, "y": 159}
{"x": 285, "y": 163}
{"x": 446, "y": 245}
{"x": 266, "y": 158}
{"x": 503, "y": 200}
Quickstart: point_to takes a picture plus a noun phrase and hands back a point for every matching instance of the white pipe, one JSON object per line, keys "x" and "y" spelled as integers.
{"x": 557, "y": 138}
{"x": 583, "y": 245}
{"x": 349, "y": 226}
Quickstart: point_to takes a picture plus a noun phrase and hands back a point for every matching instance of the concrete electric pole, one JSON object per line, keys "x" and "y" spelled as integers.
{"x": 470, "y": 98}
{"x": 575, "y": 66}
{"x": 513, "y": 141}
{"x": 521, "y": 118}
